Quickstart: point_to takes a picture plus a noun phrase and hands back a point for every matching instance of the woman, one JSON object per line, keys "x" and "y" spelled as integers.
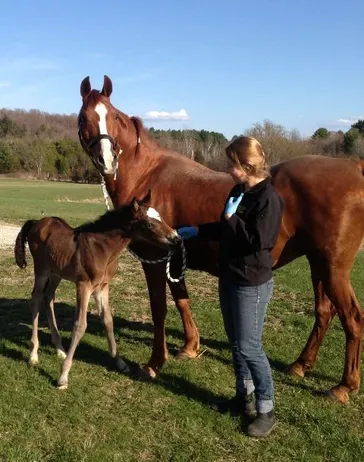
{"x": 248, "y": 230}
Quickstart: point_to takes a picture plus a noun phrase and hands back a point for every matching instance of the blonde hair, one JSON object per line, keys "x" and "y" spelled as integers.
{"x": 248, "y": 155}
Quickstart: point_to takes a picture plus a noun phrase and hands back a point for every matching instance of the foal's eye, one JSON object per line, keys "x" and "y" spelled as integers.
{"x": 116, "y": 117}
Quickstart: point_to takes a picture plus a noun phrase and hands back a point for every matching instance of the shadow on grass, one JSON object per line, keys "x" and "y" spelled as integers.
{"x": 15, "y": 326}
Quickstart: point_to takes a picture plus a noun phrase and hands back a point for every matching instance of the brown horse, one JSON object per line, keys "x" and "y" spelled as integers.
{"x": 88, "y": 256}
{"x": 323, "y": 219}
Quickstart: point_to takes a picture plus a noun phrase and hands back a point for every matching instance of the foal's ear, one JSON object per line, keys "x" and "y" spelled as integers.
{"x": 134, "y": 205}
{"x": 146, "y": 200}
{"x": 85, "y": 87}
{"x": 107, "y": 88}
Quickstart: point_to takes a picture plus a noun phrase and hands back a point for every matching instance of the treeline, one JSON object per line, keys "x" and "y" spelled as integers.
{"x": 46, "y": 145}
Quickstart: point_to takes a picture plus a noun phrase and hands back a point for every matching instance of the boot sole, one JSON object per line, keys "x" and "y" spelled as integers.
{"x": 262, "y": 435}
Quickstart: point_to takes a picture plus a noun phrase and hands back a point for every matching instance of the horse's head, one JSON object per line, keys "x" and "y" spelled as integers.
{"x": 147, "y": 225}
{"x": 101, "y": 126}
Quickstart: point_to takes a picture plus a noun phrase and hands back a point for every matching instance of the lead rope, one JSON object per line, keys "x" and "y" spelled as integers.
{"x": 168, "y": 265}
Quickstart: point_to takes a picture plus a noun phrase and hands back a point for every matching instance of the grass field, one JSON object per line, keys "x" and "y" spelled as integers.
{"x": 105, "y": 416}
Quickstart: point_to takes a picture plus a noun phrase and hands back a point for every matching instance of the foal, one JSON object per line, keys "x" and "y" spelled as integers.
{"x": 88, "y": 256}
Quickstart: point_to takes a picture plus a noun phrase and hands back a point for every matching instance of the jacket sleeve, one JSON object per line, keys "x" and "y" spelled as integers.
{"x": 210, "y": 230}
{"x": 261, "y": 234}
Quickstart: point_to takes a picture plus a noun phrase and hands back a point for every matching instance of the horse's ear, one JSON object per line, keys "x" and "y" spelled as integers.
{"x": 107, "y": 88}
{"x": 85, "y": 88}
{"x": 134, "y": 205}
{"x": 148, "y": 197}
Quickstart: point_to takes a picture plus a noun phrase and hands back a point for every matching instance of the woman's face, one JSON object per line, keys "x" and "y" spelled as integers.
{"x": 238, "y": 175}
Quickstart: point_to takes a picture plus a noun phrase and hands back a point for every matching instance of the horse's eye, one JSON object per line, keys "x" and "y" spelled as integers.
{"x": 116, "y": 117}
{"x": 149, "y": 225}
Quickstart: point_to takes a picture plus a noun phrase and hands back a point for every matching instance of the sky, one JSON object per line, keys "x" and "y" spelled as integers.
{"x": 193, "y": 64}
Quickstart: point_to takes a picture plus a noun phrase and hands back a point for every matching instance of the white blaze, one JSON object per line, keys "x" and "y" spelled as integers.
{"x": 152, "y": 213}
{"x": 106, "y": 146}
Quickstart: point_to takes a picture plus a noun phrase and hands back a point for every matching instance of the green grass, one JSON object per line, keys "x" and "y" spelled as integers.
{"x": 107, "y": 416}
{"x": 21, "y": 200}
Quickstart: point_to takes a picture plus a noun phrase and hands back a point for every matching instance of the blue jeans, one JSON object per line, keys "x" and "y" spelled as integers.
{"x": 243, "y": 310}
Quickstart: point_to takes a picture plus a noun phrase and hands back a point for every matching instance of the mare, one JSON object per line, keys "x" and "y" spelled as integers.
{"x": 88, "y": 256}
{"x": 323, "y": 220}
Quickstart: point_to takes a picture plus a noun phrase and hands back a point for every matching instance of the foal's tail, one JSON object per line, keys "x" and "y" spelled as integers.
{"x": 19, "y": 249}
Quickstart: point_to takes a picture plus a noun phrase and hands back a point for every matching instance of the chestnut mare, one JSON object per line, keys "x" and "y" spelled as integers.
{"x": 323, "y": 219}
{"x": 88, "y": 256}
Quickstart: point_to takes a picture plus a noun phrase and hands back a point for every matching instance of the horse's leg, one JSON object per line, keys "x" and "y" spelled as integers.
{"x": 156, "y": 281}
{"x": 324, "y": 312}
{"x": 79, "y": 328}
{"x": 40, "y": 283}
{"x": 351, "y": 316}
{"x": 101, "y": 297}
{"x": 192, "y": 338}
{"x": 52, "y": 322}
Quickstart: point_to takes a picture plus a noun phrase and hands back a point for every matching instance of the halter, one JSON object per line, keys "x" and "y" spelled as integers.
{"x": 87, "y": 146}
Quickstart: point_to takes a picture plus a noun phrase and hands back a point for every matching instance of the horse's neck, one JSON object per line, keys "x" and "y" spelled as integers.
{"x": 131, "y": 179}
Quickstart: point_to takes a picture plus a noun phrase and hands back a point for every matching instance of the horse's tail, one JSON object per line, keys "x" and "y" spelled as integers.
{"x": 19, "y": 249}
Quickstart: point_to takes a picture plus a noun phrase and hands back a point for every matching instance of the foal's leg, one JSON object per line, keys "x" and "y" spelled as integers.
{"x": 79, "y": 328}
{"x": 192, "y": 338}
{"x": 52, "y": 322}
{"x": 40, "y": 283}
{"x": 156, "y": 281}
{"x": 324, "y": 312}
{"x": 351, "y": 316}
{"x": 101, "y": 297}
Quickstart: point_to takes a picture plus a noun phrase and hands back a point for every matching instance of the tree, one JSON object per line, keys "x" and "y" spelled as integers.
{"x": 320, "y": 133}
{"x": 349, "y": 139}
{"x": 5, "y": 158}
{"x": 359, "y": 125}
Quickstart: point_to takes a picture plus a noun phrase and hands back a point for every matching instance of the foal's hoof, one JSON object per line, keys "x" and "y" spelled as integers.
{"x": 62, "y": 387}
{"x": 339, "y": 394}
{"x": 61, "y": 354}
{"x": 33, "y": 362}
{"x": 296, "y": 370}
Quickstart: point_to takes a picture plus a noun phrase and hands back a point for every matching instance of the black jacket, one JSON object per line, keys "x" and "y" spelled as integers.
{"x": 249, "y": 235}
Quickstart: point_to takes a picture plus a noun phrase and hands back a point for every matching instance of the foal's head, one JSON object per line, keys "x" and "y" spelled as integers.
{"x": 104, "y": 131}
{"x": 145, "y": 224}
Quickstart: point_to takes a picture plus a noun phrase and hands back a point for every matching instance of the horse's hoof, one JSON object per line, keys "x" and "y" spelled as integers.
{"x": 338, "y": 394}
{"x": 296, "y": 370}
{"x": 146, "y": 374}
{"x": 62, "y": 386}
{"x": 61, "y": 354}
{"x": 187, "y": 355}
{"x": 33, "y": 362}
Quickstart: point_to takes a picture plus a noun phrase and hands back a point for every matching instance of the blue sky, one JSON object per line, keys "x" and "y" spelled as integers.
{"x": 212, "y": 64}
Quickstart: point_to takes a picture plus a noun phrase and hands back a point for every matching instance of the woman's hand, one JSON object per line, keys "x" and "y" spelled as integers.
{"x": 232, "y": 205}
{"x": 186, "y": 232}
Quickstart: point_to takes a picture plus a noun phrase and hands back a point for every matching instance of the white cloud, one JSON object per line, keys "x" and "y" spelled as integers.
{"x": 164, "y": 115}
{"x": 349, "y": 121}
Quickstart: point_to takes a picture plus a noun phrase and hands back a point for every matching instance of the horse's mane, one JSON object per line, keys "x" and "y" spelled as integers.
{"x": 111, "y": 220}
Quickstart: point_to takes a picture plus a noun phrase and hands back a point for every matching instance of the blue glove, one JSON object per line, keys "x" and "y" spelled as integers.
{"x": 232, "y": 204}
{"x": 186, "y": 232}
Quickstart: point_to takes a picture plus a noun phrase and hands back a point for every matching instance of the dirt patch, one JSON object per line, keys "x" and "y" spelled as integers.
{"x": 8, "y": 235}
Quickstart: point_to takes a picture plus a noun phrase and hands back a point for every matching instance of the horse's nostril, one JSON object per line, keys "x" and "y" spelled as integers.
{"x": 100, "y": 159}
